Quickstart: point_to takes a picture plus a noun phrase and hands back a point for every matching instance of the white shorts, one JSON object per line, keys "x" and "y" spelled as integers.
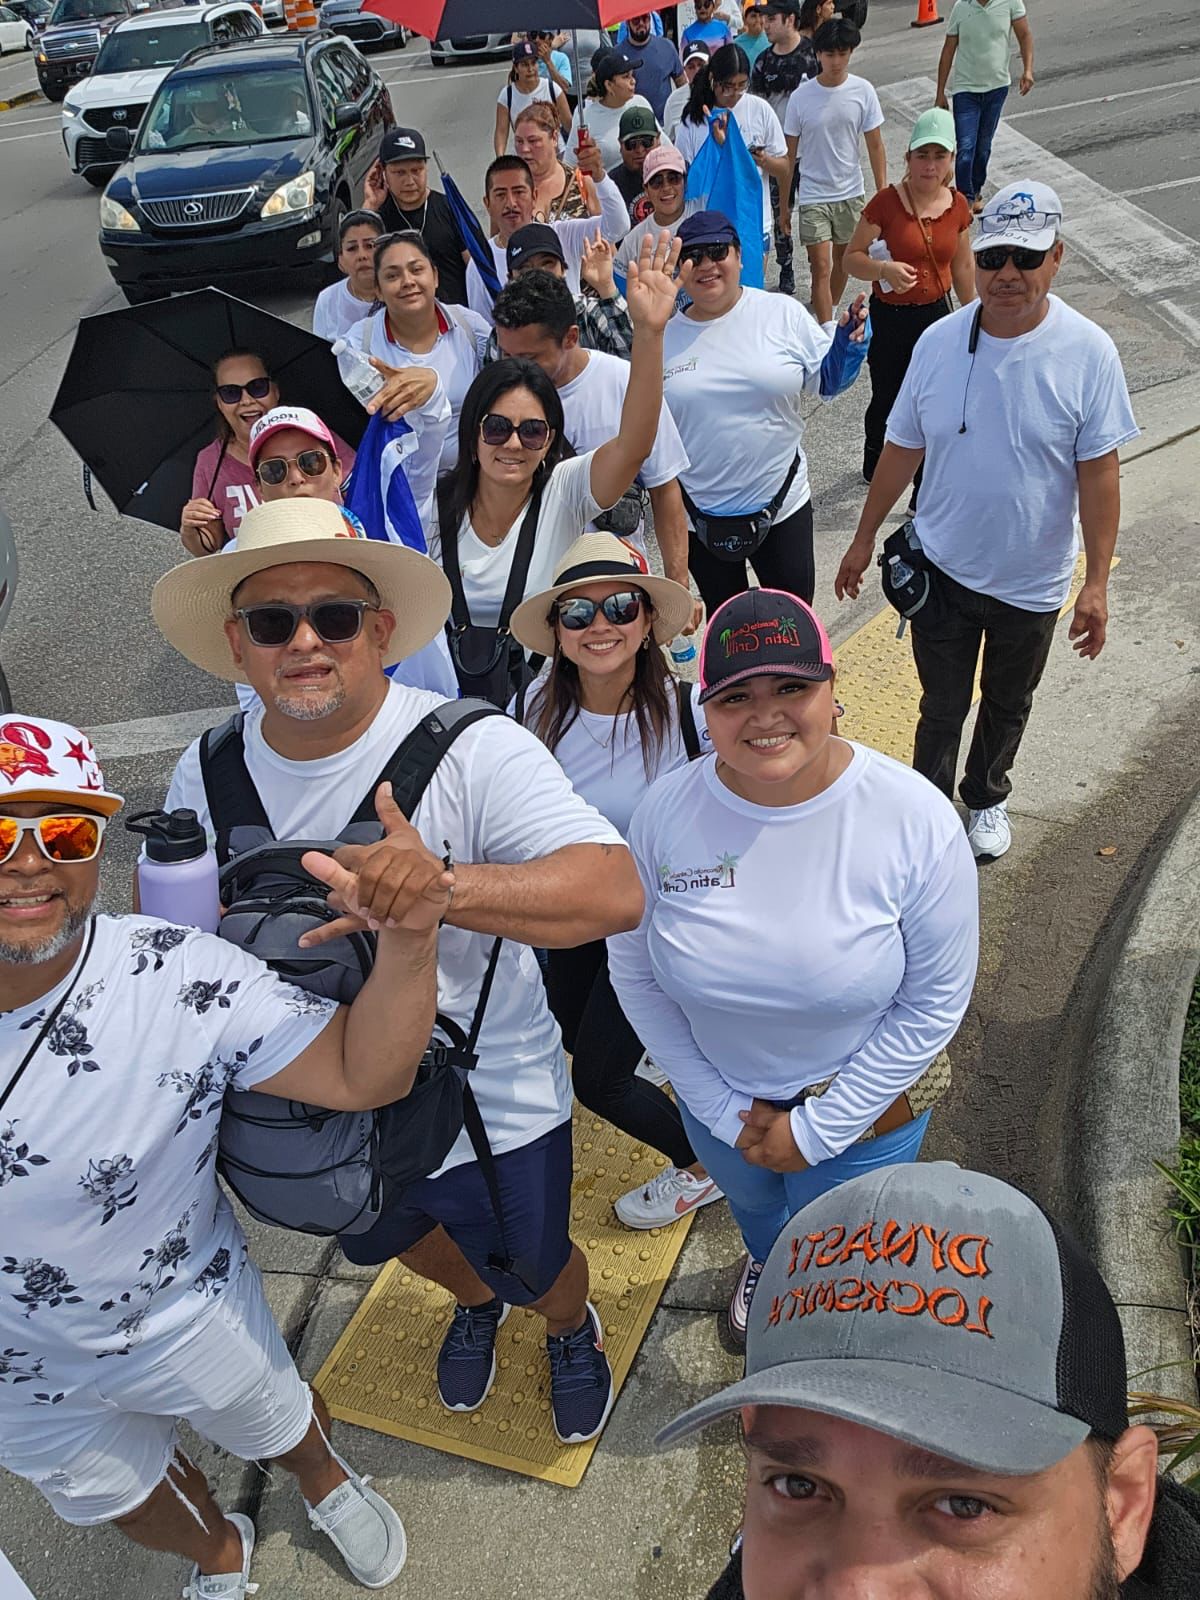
{"x": 102, "y": 1451}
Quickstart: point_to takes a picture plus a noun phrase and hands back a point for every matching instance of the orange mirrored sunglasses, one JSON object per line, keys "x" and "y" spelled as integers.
{"x": 60, "y": 838}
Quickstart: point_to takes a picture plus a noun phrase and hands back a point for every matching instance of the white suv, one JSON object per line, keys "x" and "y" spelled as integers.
{"x": 134, "y": 59}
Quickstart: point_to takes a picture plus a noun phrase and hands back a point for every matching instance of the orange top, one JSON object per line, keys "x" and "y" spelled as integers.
{"x": 902, "y": 232}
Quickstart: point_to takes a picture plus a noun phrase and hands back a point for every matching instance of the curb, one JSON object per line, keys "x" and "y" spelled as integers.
{"x": 25, "y": 99}
{"x": 1128, "y": 1113}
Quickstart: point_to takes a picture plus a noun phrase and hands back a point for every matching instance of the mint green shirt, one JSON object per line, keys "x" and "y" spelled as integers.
{"x": 981, "y": 62}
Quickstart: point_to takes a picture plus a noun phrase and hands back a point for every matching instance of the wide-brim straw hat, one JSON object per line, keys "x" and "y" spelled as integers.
{"x": 593, "y": 558}
{"x": 192, "y": 603}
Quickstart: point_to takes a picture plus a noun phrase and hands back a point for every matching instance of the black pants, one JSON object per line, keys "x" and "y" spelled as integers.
{"x": 784, "y": 560}
{"x": 783, "y": 241}
{"x": 1015, "y": 644}
{"x": 894, "y": 334}
{"x": 605, "y": 1052}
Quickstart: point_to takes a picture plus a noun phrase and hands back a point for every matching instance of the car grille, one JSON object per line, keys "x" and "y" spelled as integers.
{"x": 65, "y": 45}
{"x": 194, "y": 210}
{"x": 94, "y": 153}
{"x": 104, "y": 117}
{"x": 358, "y": 27}
{"x": 476, "y": 41}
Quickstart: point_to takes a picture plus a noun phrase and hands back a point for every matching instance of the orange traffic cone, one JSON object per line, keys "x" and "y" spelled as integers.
{"x": 927, "y": 14}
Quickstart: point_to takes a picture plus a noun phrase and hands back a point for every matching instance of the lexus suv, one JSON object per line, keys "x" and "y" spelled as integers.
{"x": 134, "y": 59}
{"x": 244, "y": 164}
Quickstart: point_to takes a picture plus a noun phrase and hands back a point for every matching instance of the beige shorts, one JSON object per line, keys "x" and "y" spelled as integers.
{"x": 826, "y": 220}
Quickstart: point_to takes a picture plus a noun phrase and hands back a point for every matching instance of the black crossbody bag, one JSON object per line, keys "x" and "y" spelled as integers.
{"x": 736, "y": 538}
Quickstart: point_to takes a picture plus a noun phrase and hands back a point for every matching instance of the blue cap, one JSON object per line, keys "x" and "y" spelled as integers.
{"x": 708, "y": 227}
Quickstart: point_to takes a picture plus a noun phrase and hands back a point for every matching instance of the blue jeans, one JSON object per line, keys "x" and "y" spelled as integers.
{"x": 976, "y": 118}
{"x": 764, "y": 1202}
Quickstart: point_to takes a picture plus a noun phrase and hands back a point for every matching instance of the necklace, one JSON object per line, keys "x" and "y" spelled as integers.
{"x": 417, "y": 227}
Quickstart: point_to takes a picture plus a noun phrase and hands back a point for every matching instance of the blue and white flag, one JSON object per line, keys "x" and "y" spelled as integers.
{"x": 378, "y": 492}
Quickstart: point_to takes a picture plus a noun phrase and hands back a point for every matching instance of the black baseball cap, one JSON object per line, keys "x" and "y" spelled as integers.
{"x": 402, "y": 144}
{"x": 707, "y": 227}
{"x": 534, "y": 239}
{"x": 763, "y": 633}
{"x": 525, "y": 50}
{"x": 782, "y": 8}
{"x": 612, "y": 63}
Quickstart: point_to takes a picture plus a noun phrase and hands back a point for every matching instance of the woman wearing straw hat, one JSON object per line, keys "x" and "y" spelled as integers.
{"x": 913, "y": 243}
{"x": 615, "y": 719}
{"x": 810, "y": 936}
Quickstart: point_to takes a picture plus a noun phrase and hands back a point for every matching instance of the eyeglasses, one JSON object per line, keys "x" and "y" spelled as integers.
{"x": 59, "y": 838}
{"x": 333, "y": 621}
{"x": 533, "y": 432}
{"x": 620, "y": 609}
{"x": 274, "y": 469}
{"x": 1027, "y": 222}
{"x": 696, "y": 253}
{"x": 661, "y": 178}
{"x": 230, "y": 393}
{"x": 640, "y": 141}
{"x": 997, "y": 255}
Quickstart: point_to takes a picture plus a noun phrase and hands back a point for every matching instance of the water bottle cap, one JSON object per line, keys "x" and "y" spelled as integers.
{"x": 170, "y": 835}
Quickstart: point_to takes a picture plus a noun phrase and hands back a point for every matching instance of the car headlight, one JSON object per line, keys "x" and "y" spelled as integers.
{"x": 294, "y": 195}
{"x": 68, "y": 110}
{"x": 115, "y": 218}
{"x": 40, "y": 58}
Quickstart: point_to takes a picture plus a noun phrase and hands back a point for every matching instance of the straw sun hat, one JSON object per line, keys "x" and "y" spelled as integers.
{"x": 593, "y": 558}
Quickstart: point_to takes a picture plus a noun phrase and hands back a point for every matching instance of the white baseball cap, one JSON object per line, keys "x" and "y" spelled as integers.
{"x": 48, "y": 761}
{"x": 1028, "y": 215}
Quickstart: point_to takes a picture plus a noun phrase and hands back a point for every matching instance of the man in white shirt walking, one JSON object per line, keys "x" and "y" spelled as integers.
{"x": 1017, "y": 405}
{"x": 830, "y": 114}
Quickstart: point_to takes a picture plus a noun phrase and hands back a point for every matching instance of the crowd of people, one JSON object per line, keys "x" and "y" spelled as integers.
{"x": 753, "y": 937}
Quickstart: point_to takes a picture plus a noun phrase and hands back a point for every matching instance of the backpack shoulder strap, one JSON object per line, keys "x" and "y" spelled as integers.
{"x": 413, "y": 763}
{"x": 687, "y": 720}
{"x": 460, "y": 612}
{"x": 233, "y": 801}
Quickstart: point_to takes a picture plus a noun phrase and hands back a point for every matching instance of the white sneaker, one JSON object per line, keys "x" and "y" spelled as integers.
{"x": 226, "y": 1585}
{"x": 743, "y": 1294}
{"x": 989, "y": 832}
{"x": 670, "y": 1194}
{"x": 649, "y": 1069}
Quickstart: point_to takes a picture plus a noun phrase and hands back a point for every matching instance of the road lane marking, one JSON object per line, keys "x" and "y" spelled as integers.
{"x": 1147, "y": 258}
{"x": 1103, "y": 99}
{"x": 1156, "y": 188}
{"x": 17, "y": 137}
{"x": 29, "y": 122}
{"x": 147, "y": 736}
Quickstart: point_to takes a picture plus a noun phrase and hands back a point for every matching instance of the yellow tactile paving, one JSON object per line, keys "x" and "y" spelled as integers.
{"x": 381, "y": 1373}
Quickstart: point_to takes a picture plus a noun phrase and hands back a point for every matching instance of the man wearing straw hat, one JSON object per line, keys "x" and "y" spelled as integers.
{"x": 310, "y": 615}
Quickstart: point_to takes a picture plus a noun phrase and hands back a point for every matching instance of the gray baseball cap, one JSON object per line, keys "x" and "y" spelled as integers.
{"x": 939, "y": 1306}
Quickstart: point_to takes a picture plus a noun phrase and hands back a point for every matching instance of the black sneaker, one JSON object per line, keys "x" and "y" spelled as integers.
{"x": 581, "y": 1385}
{"x": 466, "y": 1367}
{"x": 787, "y": 280}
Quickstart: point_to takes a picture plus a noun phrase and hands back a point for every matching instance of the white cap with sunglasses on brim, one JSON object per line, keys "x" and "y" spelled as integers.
{"x": 1025, "y": 216}
{"x": 595, "y": 558}
{"x": 298, "y": 417}
{"x": 45, "y": 761}
{"x": 192, "y": 602}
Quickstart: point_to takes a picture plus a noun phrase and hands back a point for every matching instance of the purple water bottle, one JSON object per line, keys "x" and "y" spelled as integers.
{"x": 177, "y": 874}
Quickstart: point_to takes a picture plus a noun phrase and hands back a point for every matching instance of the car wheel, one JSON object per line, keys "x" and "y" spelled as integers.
{"x": 99, "y": 178}
{"x": 30, "y": 41}
{"x": 400, "y": 41}
{"x": 438, "y": 59}
{"x": 329, "y": 271}
{"x": 135, "y": 295}
{"x": 53, "y": 93}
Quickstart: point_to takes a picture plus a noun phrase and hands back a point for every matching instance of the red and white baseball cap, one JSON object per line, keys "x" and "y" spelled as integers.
{"x": 46, "y": 761}
{"x": 299, "y": 417}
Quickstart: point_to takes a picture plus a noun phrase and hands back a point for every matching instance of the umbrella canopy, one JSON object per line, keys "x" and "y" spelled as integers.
{"x": 136, "y": 400}
{"x": 446, "y": 19}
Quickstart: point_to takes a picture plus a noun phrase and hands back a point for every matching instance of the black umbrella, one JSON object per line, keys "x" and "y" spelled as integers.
{"x": 136, "y": 400}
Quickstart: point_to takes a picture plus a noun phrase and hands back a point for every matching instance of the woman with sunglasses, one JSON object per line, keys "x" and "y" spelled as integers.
{"x": 416, "y": 330}
{"x": 810, "y": 935}
{"x": 525, "y": 86}
{"x": 913, "y": 242}
{"x": 614, "y": 718}
{"x": 518, "y": 484}
{"x": 721, "y": 86}
{"x": 763, "y": 355}
{"x": 558, "y": 191}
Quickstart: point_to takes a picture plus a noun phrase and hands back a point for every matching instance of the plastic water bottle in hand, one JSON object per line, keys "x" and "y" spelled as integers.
{"x": 878, "y": 251}
{"x": 359, "y": 376}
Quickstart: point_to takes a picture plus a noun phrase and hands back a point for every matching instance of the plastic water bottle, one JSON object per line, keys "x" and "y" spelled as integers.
{"x": 177, "y": 875}
{"x": 683, "y": 650}
{"x": 901, "y": 572}
{"x": 878, "y": 251}
{"x": 359, "y": 376}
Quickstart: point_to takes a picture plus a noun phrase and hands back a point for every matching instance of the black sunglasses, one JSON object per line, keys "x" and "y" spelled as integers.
{"x": 533, "y": 432}
{"x": 640, "y": 141}
{"x": 230, "y": 393}
{"x": 620, "y": 609}
{"x": 996, "y": 255}
{"x": 333, "y": 621}
{"x": 274, "y": 469}
{"x": 696, "y": 253}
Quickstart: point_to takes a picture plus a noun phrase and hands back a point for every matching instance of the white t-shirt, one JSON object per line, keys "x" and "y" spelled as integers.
{"x": 782, "y": 945}
{"x": 498, "y": 796}
{"x": 457, "y": 356}
{"x": 567, "y": 507}
{"x": 573, "y": 232}
{"x": 675, "y": 107}
{"x": 759, "y": 125}
{"x": 604, "y": 126}
{"x": 735, "y": 387}
{"x": 337, "y": 311}
{"x": 830, "y": 124}
{"x": 998, "y": 503}
{"x": 631, "y": 245}
{"x": 515, "y": 100}
{"x": 114, "y": 1230}
{"x": 602, "y": 755}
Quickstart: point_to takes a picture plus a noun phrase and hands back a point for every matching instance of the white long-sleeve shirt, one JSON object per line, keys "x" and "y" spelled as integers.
{"x": 781, "y": 946}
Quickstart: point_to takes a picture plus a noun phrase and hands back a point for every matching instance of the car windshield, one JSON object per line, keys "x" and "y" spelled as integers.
{"x": 228, "y": 108}
{"x": 148, "y": 47}
{"x": 85, "y": 10}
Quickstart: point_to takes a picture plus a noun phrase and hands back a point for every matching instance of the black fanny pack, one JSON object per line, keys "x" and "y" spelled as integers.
{"x": 910, "y": 580}
{"x": 626, "y": 516}
{"x": 736, "y": 538}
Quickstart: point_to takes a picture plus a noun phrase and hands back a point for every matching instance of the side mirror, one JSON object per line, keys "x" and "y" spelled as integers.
{"x": 119, "y": 141}
{"x": 346, "y": 116}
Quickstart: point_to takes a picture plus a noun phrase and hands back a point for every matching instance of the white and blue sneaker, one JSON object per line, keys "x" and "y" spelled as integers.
{"x": 581, "y": 1381}
{"x": 466, "y": 1365}
{"x": 743, "y": 1294}
{"x": 989, "y": 832}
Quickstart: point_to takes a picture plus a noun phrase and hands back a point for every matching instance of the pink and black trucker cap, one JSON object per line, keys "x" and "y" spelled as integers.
{"x": 763, "y": 633}
{"x": 298, "y": 417}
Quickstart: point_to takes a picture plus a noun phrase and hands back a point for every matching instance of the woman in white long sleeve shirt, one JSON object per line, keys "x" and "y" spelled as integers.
{"x": 810, "y": 936}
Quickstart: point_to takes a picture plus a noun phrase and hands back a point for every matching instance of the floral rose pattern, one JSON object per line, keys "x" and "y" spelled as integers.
{"x": 69, "y": 1037}
{"x": 43, "y": 1284}
{"x": 110, "y": 1184}
{"x": 16, "y": 1158}
{"x": 198, "y": 996}
{"x": 150, "y": 945}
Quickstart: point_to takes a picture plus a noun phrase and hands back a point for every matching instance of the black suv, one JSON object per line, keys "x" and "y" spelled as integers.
{"x": 245, "y": 162}
{"x": 70, "y": 41}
